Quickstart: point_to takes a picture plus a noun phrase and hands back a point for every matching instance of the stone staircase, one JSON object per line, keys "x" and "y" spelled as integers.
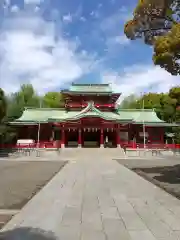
{"x": 91, "y": 153}
{"x": 70, "y": 154}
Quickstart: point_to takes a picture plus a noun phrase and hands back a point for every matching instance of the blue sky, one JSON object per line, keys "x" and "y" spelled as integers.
{"x": 52, "y": 43}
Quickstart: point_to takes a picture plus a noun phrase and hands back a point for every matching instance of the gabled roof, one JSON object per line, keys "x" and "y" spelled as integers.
{"x": 89, "y": 111}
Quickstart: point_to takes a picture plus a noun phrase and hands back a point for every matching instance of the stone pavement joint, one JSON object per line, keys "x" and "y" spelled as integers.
{"x": 101, "y": 199}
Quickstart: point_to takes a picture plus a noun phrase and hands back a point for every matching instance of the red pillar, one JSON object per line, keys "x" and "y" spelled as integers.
{"x": 102, "y": 138}
{"x": 79, "y": 138}
{"x": 62, "y": 139}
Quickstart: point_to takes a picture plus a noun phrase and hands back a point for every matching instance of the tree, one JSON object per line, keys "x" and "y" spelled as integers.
{"x": 3, "y": 105}
{"x": 147, "y": 101}
{"x": 174, "y": 93}
{"x": 25, "y": 97}
{"x": 53, "y": 100}
{"x": 6, "y": 132}
{"x": 129, "y": 102}
{"x": 157, "y": 23}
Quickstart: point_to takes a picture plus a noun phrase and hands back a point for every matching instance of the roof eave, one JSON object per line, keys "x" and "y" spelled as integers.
{"x": 27, "y": 122}
{"x": 87, "y": 93}
{"x": 157, "y": 124}
{"x": 77, "y": 118}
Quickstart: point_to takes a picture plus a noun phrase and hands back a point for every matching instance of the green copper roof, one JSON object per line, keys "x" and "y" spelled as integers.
{"x": 31, "y": 115}
{"x": 91, "y": 88}
{"x": 141, "y": 116}
{"x": 43, "y": 115}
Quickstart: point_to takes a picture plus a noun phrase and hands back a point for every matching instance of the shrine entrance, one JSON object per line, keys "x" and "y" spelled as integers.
{"x": 110, "y": 138}
{"x": 71, "y": 138}
{"x": 91, "y": 138}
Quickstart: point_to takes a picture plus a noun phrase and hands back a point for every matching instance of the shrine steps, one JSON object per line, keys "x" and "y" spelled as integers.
{"x": 93, "y": 153}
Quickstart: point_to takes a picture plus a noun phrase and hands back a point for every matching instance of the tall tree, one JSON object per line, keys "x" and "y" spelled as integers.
{"x": 3, "y": 105}
{"x": 157, "y": 23}
{"x": 129, "y": 102}
{"x": 6, "y": 132}
{"x": 53, "y": 100}
{"x": 25, "y": 97}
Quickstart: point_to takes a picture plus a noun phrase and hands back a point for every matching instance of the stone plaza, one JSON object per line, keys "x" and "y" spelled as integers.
{"x": 98, "y": 198}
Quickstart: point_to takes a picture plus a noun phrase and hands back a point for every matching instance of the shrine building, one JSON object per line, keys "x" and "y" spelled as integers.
{"x": 90, "y": 118}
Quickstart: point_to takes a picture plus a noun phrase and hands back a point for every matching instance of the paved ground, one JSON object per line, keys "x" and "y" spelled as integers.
{"x": 164, "y": 173}
{"x": 101, "y": 199}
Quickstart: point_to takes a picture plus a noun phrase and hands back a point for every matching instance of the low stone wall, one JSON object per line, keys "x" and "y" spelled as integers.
{"x": 130, "y": 152}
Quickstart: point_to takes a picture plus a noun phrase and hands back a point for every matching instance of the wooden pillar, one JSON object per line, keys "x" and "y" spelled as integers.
{"x": 62, "y": 138}
{"x": 79, "y": 138}
{"x": 102, "y": 138}
{"x": 118, "y": 140}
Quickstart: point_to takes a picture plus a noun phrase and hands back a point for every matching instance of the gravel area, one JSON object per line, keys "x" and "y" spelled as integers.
{"x": 20, "y": 181}
{"x": 143, "y": 163}
{"x": 163, "y": 173}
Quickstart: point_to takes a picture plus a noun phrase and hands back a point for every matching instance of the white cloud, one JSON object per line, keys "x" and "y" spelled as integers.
{"x": 95, "y": 14}
{"x": 33, "y": 1}
{"x": 14, "y": 9}
{"x": 83, "y": 19}
{"x": 117, "y": 40}
{"x": 67, "y": 18}
{"x": 77, "y": 15}
{"x": 29, "y": 53}
{"x": 140, "y": 79}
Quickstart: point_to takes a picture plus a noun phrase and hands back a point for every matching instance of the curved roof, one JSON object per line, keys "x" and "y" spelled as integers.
{"x": 141, "y": 115}
{"x": 134, "y": 116}
{"x": 89, "y": 111}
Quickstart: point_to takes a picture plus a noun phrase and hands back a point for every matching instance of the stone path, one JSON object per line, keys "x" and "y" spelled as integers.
{"x": 101, "y": 199}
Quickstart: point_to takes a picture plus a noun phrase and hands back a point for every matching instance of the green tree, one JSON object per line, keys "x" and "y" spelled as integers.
{"x": 157, "y": 23}
{"x": 53, "y": 100}
{"x": 148, "y": 101}
{"x": 174, "y": 93}
{"x": 25, "y": 97}
{"x": 3, "y": 105}
{"x": 129, "y": 102}
{"x": 6, "y": 132}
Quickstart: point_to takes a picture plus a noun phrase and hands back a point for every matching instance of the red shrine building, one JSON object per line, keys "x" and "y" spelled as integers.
{"x": 90, "y": 118}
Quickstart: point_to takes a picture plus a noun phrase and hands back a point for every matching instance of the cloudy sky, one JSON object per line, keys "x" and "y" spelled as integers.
{"x": 52, "y": 43}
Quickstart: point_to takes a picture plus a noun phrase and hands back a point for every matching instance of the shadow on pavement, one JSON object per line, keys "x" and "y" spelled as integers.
{"x": 167, "y": 174}
{"x": 27, "y": 233}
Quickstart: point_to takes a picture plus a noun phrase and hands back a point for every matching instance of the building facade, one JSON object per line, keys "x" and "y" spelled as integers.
{"x": 90, "y": 118}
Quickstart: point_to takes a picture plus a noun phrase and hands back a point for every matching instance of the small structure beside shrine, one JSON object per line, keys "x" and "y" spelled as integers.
{"x": 90, "y": 118}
